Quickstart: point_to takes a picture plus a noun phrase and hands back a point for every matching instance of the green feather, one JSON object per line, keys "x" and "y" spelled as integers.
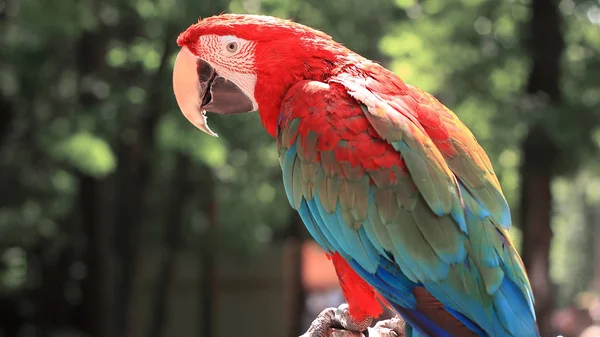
{"x": 378, "y": 228}
{"x": 307, "y": 147}
{"x": 407, "y": 194}
{"x": 354, "y": 199}
{"x": 297, "y": 183}
{"x": 381, "y": 177}
{"x": 407, "y": 239}
{"x": 290, "y": 132}
{"x": 386, "y": 204}
{"x": 433, "y": 183}
{"x": 441, "y": 233}
{"x": 331, "y": 166}
{"x": 466, "y": 279}
{"x": 328, "y": 189}
{"x": 352, "y": 173}
{"x": 309, "y": 178}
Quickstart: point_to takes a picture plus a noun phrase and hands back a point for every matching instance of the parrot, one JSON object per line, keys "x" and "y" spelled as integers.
{"x": 386, "y": 179}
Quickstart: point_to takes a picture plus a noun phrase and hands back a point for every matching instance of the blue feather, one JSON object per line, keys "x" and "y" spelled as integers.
{"x": 331, "y": 239}
{"x": 287, "y": 164}
{"x": 514, "y": 311}
{"x": 421, "y": 324}
{"x": 394, "y": 274}
{"x": 312, "y": 226}
{"x": 394, "y": 287}
{"x": 466, "y": 321}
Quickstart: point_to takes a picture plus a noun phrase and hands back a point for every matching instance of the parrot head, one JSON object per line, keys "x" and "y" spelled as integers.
{"x": 233, "y": 63}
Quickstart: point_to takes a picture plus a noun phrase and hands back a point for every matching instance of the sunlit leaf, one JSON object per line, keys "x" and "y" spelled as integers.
{"x": 88, "y": 153}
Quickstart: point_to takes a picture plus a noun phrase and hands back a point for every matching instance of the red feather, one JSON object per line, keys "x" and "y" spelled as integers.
{"x": 363, "y": 300}
{"x": 348, "y": 123}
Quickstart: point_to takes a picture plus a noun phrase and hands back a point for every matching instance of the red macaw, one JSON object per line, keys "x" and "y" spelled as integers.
{"x": 387, "y": 180}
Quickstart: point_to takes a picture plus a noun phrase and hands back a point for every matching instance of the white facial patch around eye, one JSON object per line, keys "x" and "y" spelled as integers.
{"x": 235, "y": 67}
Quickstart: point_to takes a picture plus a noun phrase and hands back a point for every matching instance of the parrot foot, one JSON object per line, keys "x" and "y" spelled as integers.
{"x": 336, "y": 322}
{"x": 346, "y": 322}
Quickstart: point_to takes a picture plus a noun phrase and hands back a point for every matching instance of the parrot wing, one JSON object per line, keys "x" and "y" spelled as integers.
{"x": 390, "y": 179}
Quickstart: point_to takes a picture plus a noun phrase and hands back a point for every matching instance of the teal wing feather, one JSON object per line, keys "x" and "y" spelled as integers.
{"x": 407, "y": 207}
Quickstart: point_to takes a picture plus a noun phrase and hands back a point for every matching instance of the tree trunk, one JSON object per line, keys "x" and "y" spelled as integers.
{"x": 536, "y": 199}
{"x": 208, "y": 267}
{"x": 295, "y": 298}
{"x": 96, "y": 285}
{"x": 539, "y": 156}
{"x": 136, "y": 161}
{"x": 173, "y": 241}
{"x": 96, "y": 288}
{"x": 594, "y": 221}
{"x": 129, "y": 217}
{"x": 6, "y": 116}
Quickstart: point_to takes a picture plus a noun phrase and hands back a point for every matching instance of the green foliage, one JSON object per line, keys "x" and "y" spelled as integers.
{"x": 89, "y": 154}
{"x": 576, "y": 216}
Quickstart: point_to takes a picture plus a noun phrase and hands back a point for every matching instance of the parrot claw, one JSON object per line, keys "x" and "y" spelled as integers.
{"x": 337, "y": 322}
{"x": 345, "y": 321}
{"x": 393, "y": 327}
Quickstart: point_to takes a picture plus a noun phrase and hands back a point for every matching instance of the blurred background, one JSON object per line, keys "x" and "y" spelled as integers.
{"x": 119, "y": 219}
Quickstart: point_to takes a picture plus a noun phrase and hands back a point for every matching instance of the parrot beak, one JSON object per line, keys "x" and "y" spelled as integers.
{"x": 199, "y": 88}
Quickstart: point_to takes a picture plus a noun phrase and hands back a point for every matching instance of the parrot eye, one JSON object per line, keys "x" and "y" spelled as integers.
{"x": 232, "y": 47}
